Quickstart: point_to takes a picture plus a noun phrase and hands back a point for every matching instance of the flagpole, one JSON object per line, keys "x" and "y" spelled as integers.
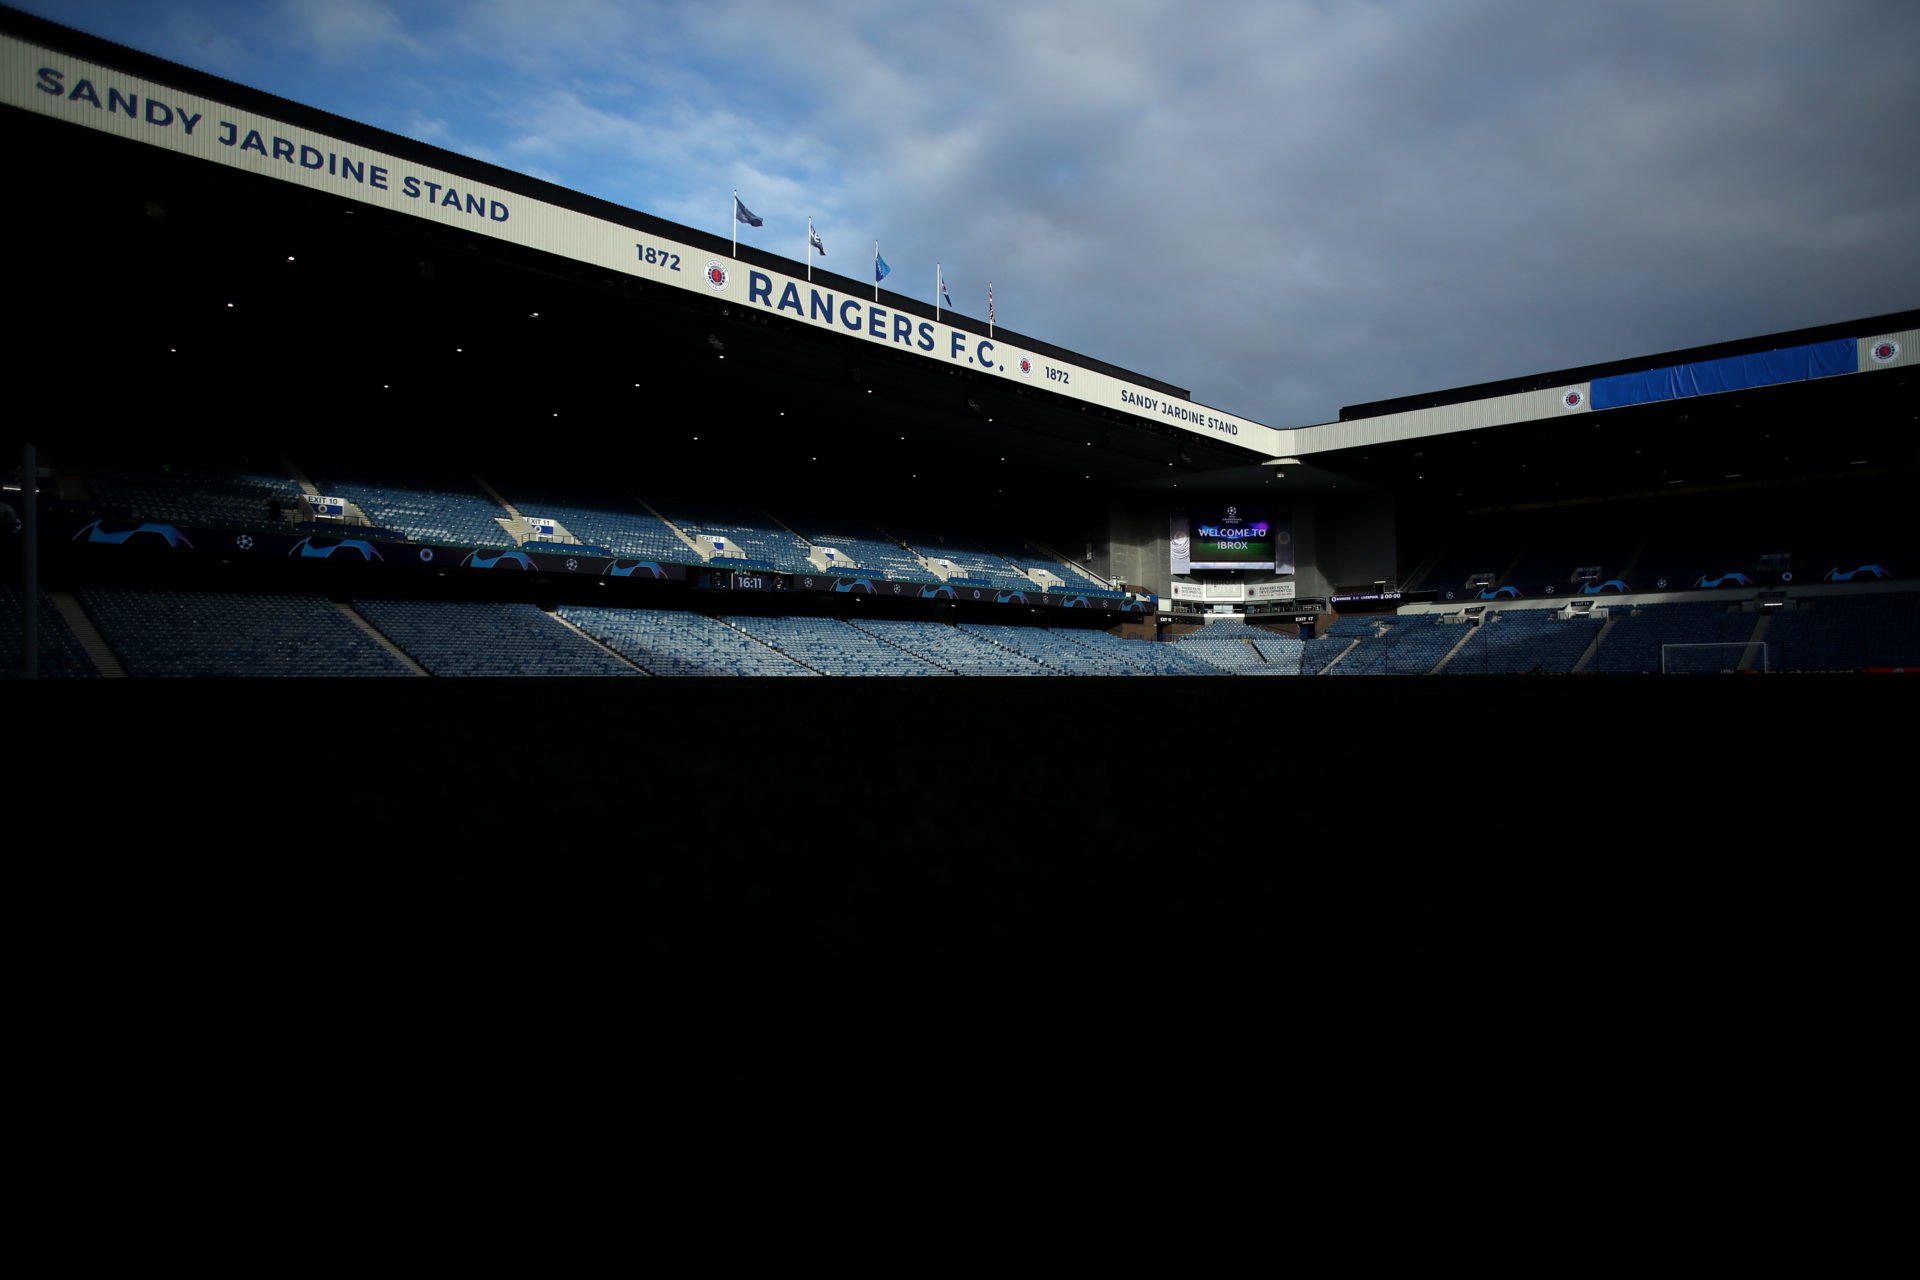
{"x": 809, "y": 248}
{"x": 733, "y": 221}
{"x": 936, "y": 292}
{"x": 876, "y": 271}
{"x": 989, "y": 308}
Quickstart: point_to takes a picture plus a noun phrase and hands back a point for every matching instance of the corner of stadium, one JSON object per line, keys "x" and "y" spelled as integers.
{"x": 299, "y": 398}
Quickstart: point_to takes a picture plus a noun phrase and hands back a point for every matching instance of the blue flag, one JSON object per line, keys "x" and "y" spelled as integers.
{"x": 743, "y": 214}
{"x": 880, "y": 267}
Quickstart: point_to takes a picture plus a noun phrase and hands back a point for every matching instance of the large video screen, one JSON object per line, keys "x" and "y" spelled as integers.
{"x": 1231, "y": 535}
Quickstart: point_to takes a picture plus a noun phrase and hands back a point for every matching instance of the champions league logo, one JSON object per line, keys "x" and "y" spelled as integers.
{"x": 1886, "y": 350}
{"x": 1233, "y": 513}
{"x": 716, "y": 276}
{"x": 1572, "y": 400}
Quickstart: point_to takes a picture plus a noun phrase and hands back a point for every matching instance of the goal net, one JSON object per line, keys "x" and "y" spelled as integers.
{"x": 1701, "y": 657}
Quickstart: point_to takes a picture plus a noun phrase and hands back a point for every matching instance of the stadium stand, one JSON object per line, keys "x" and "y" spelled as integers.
{"x": 951, "y": 648}
{"x": 1845, "y": 633}
{"x": 1073, "y": 579}
{"x": 1092, "y": 653}
{"x": 1452, "y": 568}
{"x": 833, "y": 647}
{"x": 601, "y": 517}
{"x": 972, "y": 562}
{"x": 1399, "y": 645}
{"x": 187, "y": 633}
{"x": 440, "y": 507}
{"x": 750, "y": 539}
{"x": 483, "y": 638}
{"x": 61, "y": 654}
{"x": 1286, "y": 655}
{"x": 195, "y": 495}
{"x": 1522, "y": 641}
{"x": 1231, "y": 647}
{"x": 1321, "y": 653}
{"x": 863, "y": 547}
{"x": 1131, "y": 657}
{"x": 675, "y": 642}
{"x": 1634, "y": 640}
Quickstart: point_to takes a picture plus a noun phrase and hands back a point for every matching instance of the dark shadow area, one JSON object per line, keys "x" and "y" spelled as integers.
{"x": 723, "y": 888}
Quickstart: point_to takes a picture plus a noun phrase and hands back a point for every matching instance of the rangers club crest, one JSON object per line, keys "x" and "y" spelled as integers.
{"x": 1026, "y": 366}
{"x": 1886, "y": 350}
{"x": 716, "y": 276}
{"x": 1572, "y": 400}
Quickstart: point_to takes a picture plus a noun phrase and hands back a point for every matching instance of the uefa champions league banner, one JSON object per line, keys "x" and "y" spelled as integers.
{"x": 85, "y": 93}
{"x": 87, "y": 533}
{"x": 348, "y": 546}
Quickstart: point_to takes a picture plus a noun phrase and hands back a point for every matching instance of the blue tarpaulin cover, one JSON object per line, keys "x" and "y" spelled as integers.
{"x": 1789, "y": 364}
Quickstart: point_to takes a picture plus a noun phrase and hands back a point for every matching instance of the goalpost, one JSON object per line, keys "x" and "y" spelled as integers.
{"x": 1709, "y": 658}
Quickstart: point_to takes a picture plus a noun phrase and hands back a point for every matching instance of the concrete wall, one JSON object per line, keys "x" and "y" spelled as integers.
{"x": 1354, "y": 541}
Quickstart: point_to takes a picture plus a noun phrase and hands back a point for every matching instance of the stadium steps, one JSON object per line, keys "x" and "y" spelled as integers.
{"x": 1593, "y": 650}
{"x": 925, "y": 562}
{"x": 1632, "y": 566}
{"x": 514, "y": 523}
{"x": 511, "y": 524}
{"x": 676, "y": 530}
{"x": 307, "y": 486}
{"x": 1339, "y": 657}
{"x": 911, "y": 653}
{"x": 805, "y": 541}
{"x": 902, "y": 648}
{"x": 1417, "y": 579}
{"x": 91, "y": 641}
{"x": 1756, "y": 643}
{"x": 598, "y": 643}
{"x": 353, "y": 514}
{"x": 1458, "y": 645}
{"x": 793, "y": 658}
{"x": 1103, "y": 584}
{"x": 1013, "y": 652}
{"x": 380, "y": 638}
{"x": 512, "y": 511}
{"x": 1507, "y": 574}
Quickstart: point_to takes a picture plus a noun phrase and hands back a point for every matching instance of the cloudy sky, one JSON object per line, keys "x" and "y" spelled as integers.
{"x": 1284, "y": 206}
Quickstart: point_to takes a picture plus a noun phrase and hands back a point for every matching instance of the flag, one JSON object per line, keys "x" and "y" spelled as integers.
{"x": 943, "y": 291}
{"x": 743, "y": 214}
{"x": 813, "y": 238}
{"x": 989, "y": 304}
{"x": 880, "y": 267}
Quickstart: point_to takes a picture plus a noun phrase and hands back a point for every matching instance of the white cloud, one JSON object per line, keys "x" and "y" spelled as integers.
{"x": 341, "y": 30}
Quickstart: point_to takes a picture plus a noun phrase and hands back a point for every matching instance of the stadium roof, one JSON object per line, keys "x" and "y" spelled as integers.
{"x": 1759, "y": 411}
{"x": 279, "y": 272}
{"x": 261, "y": 298}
